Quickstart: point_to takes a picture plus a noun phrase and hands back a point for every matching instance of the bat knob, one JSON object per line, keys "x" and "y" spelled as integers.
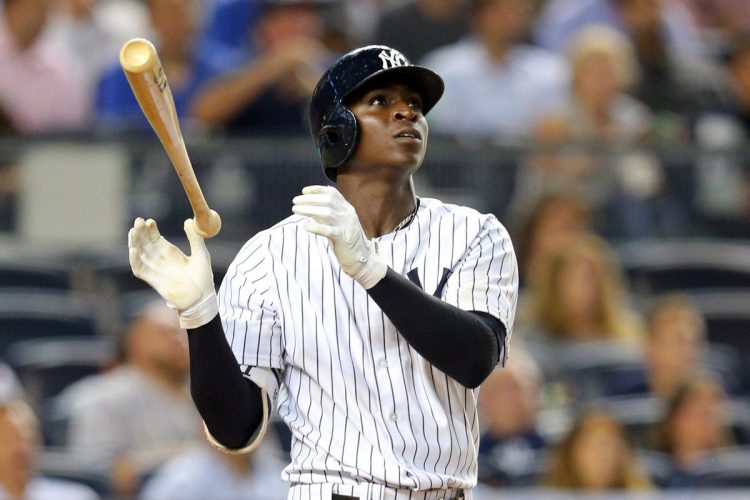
{"x": 208, "y": 227}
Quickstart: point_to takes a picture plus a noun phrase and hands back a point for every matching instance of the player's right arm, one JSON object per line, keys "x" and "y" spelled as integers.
{"x": 234, "y": 407}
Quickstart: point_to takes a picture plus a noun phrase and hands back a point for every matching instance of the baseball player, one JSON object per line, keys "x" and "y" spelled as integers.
{"x": 368, "y": 318}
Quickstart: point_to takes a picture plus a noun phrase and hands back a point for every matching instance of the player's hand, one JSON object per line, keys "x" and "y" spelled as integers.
{"x": 332, "y": 217}
{"x": 184, "y": 282}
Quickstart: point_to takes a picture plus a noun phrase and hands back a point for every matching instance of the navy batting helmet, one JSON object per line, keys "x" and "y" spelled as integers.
{"x": 333, "y": 125}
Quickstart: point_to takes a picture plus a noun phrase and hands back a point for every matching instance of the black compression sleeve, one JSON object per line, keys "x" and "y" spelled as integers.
{"x": 230, "y": 404}
{"x": 463, "y": 344}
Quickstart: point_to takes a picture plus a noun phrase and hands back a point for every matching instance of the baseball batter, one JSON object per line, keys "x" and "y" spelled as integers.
{"x": 367, "y": 319}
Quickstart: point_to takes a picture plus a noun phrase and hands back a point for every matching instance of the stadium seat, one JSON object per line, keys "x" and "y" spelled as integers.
{"x": 107, "y": 274}
{"x": 728, "y": 364}
{"x": 738, "y": 414}
{"x": 656, "y": 266}
{"x": 26, "y": 315}
{"x": 657, "y": 465}
{"x": 518, "y": 469}
{"x": 727, "y": 314}
{"x": 638, "y": 414}
{"x": 593, "y": 370}
{"x": 62, "y": 464}
{"x": 111, "y": 274}
{"x": 35, "y": 275}
{"x": 46, "y": 366}
{"x": 730, "y": 468}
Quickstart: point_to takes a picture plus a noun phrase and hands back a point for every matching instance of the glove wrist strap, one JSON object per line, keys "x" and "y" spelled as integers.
{"x": 201, "y": 313}
{"x": 372, "y": 271}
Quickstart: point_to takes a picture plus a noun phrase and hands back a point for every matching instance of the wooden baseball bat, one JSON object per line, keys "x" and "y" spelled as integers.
{"x": 144, "y": 71}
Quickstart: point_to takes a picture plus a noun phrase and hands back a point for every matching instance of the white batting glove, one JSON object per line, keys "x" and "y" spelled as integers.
{"x": 332, "y": 217}
{"x": 186, "y": 283}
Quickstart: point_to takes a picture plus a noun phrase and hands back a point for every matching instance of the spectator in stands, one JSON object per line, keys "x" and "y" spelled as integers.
{"x": 719, "y": 19}
{"x": 207, "y": 473}
{"x": 694, "y": 429}
{"x": 723, "y": 181}
{"x": 555, "y": 219}
{"x": 19, "y": 448}
{"x": 675, "y": 72}
{"x": 42, "y": 85}
{"x": 133, "y": 418}
{"x": 510, "y": 447}
{"x": 623, "y": 180}
{"x": 673, "y": 81}
{"x": 735, "y": 98}
{"x": 174, "y": 23}
{"x": 580, "y": 300}
{"x": 674, "y": 348}
{"x": 227, "y": 29}
{"x": 97, "y": 29}
{"x": 596, "y": 455}
{"x": 559, "y": 20}
{"x": 674, "y": 345}
{"x": 420, "y": 26}
{"x": 270, "y": 94}
{"x": 495, "y": 85}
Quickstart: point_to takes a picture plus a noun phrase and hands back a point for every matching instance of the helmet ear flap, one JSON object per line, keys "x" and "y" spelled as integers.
{"x": 337, "y": 139}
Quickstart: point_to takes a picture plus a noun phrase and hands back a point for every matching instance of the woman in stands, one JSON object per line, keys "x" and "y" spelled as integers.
{"x": 596, "y": 455}
{"x": 579, "y": 300}
{"x": 694, "y": 429}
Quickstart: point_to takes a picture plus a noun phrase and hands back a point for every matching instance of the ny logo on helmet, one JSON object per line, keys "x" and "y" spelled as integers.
{"x": 391, "y": 59}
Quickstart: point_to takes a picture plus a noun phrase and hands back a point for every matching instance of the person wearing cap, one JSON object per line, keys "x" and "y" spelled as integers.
{"x": 368, "y": 318}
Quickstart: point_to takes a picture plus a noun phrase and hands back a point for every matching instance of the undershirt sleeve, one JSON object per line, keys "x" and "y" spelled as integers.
{"x": 231, "y": 405}
{"x": 465, "y": 345}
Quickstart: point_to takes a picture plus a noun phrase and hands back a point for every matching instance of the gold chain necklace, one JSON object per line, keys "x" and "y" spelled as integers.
{"x": 408, "y": 218}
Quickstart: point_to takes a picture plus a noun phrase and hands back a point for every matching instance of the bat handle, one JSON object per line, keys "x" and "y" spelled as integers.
{"x": 207, "y": 221}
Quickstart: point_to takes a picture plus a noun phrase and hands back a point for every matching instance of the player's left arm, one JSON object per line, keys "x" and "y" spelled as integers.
{"x": 465, "y": 332}
{"x": 466, "y": 345}
{"x": 464, "y": 340}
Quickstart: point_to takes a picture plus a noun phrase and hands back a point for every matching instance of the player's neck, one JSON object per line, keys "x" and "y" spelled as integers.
{"x": 381, "y": 205}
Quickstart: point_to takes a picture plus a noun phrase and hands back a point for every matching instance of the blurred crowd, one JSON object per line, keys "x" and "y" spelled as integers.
{"x": 565, "y": 78}
{"x": 605, "y": 390}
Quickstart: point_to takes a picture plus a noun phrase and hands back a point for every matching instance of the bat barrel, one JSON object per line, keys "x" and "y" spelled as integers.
{"x": 138, "y": 55}
{"x": 145, "y": 74}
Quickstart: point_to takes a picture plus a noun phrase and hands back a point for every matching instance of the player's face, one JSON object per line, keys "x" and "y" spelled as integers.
{"x": 393, "y": 130}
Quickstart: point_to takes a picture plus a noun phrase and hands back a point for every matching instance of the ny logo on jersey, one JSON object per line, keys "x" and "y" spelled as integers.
{"x": 391, "y": 58}
{"x": 413, "y": 276}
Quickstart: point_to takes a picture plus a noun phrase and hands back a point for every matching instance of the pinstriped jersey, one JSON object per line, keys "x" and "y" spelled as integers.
{"x": 362, "y": 405}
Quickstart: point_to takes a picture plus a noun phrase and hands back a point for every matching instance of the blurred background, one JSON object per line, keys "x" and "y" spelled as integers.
{"x": 608, "y": 136}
